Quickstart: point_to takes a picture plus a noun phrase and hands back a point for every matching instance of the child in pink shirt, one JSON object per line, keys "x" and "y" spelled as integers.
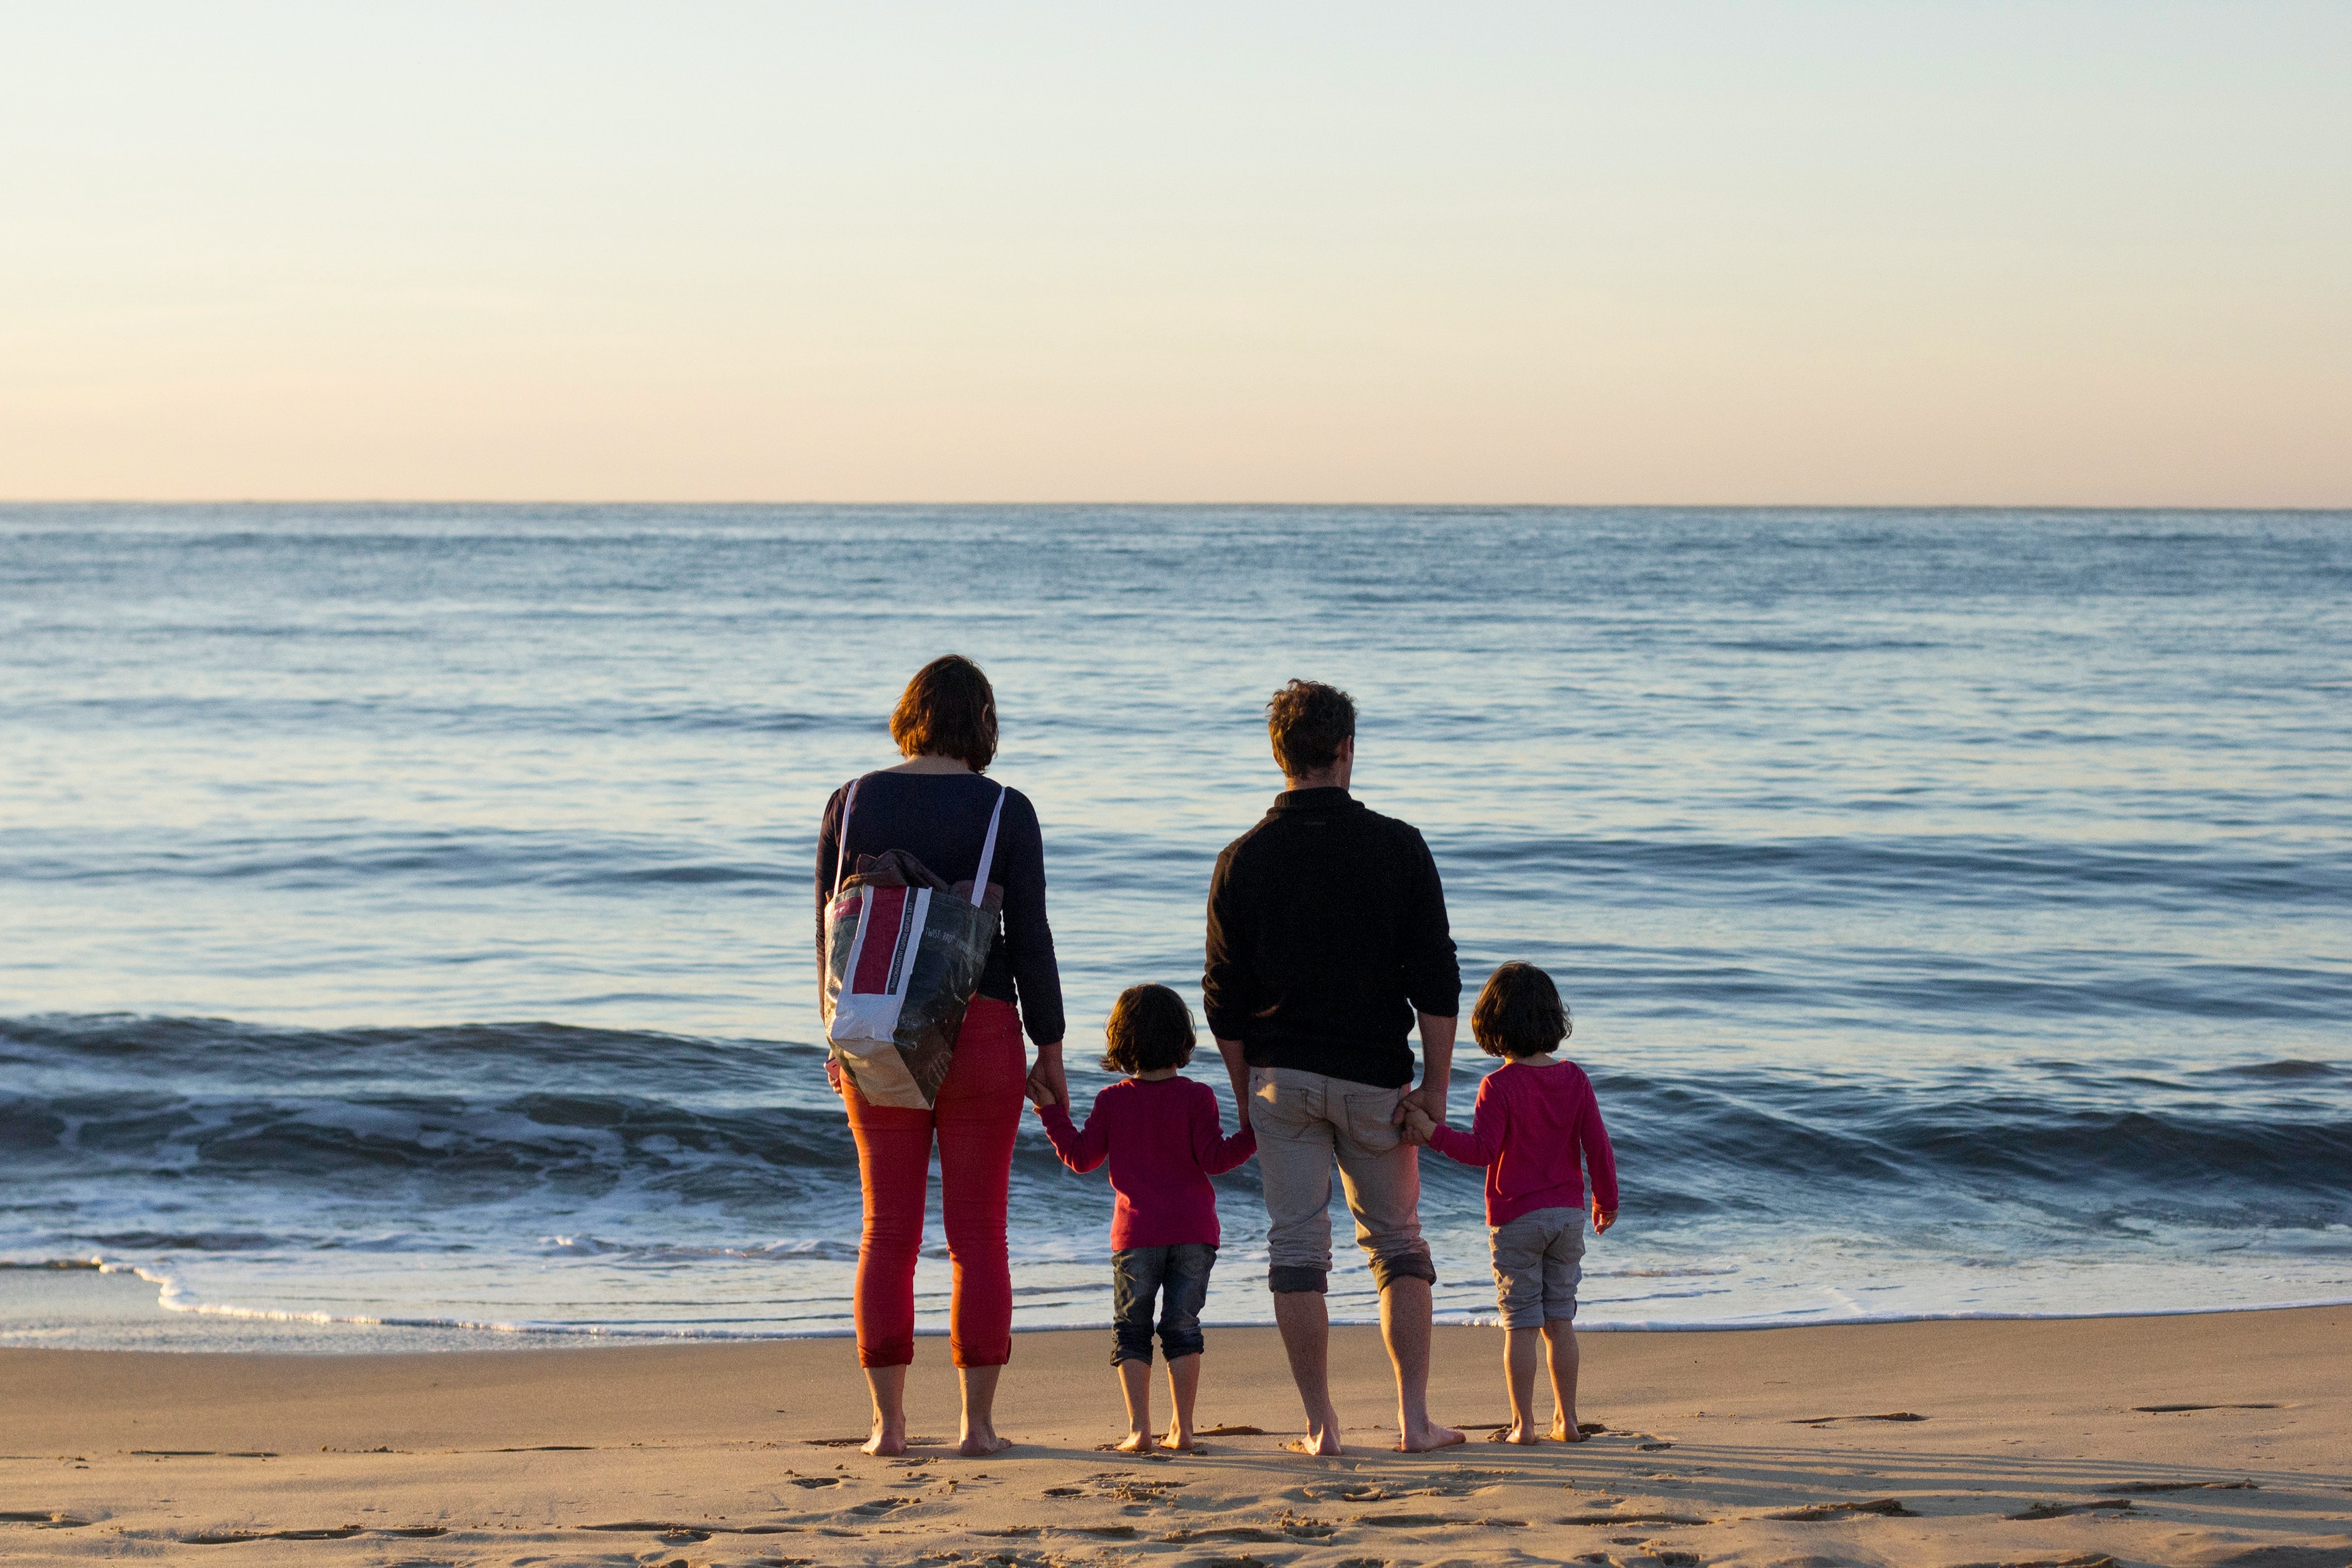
{"x": 1535, "y": 1116}
{"x": 1161, "y": 1133}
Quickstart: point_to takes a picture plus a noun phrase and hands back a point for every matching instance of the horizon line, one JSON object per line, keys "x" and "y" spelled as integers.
{"x": 1176, "y": 505}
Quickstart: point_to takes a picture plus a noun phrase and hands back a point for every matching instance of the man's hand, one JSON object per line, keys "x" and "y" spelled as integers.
{"x": 1428, "y": 1101}
{"x": 1418, "y": 1127}
{"x": 1045, "y": 1078}
{"x": 1237, "y": 1069}
{"x": 1602, "y": 1219}
{"x": 1436, "y": 1067}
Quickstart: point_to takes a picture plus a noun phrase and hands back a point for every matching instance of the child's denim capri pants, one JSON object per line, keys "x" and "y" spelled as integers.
{"x": 1179, "y": 1277}
{"x": 1539, "y": 1263}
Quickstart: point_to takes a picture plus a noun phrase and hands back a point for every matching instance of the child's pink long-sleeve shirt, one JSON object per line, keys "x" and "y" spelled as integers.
{"x": 1530, "y": 1125}
{"x": 1162, "y": 1140}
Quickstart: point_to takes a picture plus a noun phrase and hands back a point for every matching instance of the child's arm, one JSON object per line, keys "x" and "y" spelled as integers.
{"x": 1483, "y": 1144}
{"x": 1080, "y": 1151}
{"x": 1600, "y": 1162}
{"x": 1217, "y": 1154}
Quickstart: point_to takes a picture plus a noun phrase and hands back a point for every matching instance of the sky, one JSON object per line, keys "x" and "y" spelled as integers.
{"x": 1754, "y": 253}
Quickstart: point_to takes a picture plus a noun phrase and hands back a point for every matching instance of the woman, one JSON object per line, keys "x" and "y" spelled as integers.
{"x": 935, "y": 806}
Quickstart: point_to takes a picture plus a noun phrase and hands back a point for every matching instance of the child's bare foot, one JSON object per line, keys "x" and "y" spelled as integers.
{"x": 1421, "y": 1440}
{"x": 1520, "y": 1432}
{"x": 889, "y": 1440}
{"x": 1178, "y": 1438}
{"x": 1564, "y": 1430}
{"x": 1134, "y": 1443}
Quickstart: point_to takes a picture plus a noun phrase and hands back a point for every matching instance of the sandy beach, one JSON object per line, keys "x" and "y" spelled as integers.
{"x": 2203, "y": 1440}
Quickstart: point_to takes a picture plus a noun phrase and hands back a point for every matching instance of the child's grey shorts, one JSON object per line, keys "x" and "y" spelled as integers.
{"x": 1539, "y": 1261}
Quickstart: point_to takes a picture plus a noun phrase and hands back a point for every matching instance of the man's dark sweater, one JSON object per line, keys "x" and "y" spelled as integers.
{"x": 1326, "y": 934}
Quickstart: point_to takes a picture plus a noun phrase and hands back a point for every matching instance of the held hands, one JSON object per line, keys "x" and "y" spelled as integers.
{"x": 1427, "y": 1104}
{"x": 1602, "y": 1219}
{"x": 1046, "y": 1084}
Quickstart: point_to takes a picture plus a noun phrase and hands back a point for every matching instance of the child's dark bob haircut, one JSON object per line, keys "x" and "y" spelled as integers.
{"x": 1150, "y": 1028}
{"x": 1519, "y": 1013}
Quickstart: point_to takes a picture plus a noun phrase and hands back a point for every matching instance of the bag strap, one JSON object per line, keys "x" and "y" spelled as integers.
{"x": 987, "y": 846}
{"x": 987, "y": 849}
{"x": 840, "y": 837}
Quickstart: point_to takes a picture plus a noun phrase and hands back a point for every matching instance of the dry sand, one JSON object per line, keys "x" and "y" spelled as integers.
{"x": 719, "y": 1454}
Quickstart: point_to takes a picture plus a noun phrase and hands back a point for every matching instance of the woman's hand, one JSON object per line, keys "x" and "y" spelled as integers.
{"x": 833, "y": 1074}
{"x": 1045, "y": 1078}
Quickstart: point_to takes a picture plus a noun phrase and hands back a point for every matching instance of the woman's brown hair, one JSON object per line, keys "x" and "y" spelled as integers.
{"x": 1150, "y": 1028}
{"x": 1520, "y": 1014}
{"x": 948, "y": 709}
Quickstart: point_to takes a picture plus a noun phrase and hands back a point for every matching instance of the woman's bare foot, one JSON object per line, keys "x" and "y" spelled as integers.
{"x": 980, "y": 1438}
{"x": 978, "y": 1442}
{"x": 889, "y": 1386}
{"x": 1134, "y": 1443}
{"x": 1563, "y": 1430}
{"x": 1426, "y": 1438}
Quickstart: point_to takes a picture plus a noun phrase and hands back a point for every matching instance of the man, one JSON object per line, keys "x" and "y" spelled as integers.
{"x": 1326, "y": 938}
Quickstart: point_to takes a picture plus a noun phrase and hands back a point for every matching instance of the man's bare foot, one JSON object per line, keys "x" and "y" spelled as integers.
{"x": 1519, "y": 1432}
{"x": 978, "y": 1442}
{"x": 1133, "y": 1443}
{"x": 1426, "y": 1438}
{"x": 1563, "y": 1430}
{"x": 889, "y": 1440}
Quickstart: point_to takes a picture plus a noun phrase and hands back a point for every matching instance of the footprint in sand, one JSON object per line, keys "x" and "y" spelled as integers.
{"x": 2060, "y": 1510}
{"x": 2183, "y": 1409}
{"x": 1886, "y": 1507}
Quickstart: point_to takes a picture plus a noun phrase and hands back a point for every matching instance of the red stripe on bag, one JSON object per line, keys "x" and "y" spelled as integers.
{"x": 883, "y": 920}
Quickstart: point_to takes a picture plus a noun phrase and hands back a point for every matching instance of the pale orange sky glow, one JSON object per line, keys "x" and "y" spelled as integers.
{"x": 1782, "y": 253}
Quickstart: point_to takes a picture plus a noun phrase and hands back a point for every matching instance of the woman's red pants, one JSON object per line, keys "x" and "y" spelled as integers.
{"x": 975, "y": 1118}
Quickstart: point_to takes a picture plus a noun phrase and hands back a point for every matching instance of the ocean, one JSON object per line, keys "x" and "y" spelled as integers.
{"x": 406, "y": 914}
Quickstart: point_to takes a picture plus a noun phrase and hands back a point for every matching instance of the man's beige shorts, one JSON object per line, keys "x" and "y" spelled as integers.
{"x": 1305, "y": 1120}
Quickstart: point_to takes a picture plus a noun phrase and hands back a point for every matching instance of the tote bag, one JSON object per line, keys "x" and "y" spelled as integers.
{"x": 901, "y": 965}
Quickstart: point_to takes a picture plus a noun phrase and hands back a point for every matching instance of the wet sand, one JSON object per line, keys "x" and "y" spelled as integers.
{"x": 2197, "y": 1441}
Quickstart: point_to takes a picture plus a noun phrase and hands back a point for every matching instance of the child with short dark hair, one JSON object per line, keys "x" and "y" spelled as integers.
{"x": 1535, "y": 1116}
{"x": 1161, "y": 1133}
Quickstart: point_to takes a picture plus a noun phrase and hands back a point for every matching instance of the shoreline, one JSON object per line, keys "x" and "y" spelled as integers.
{"x": 2179, "y": 1441}
{"x": 594, "y": 1336}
